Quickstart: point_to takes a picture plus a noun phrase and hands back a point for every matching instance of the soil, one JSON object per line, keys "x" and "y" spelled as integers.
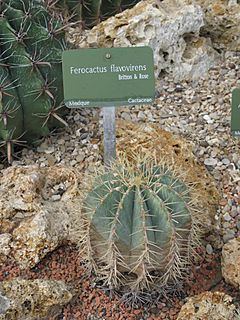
{"x": 94, "y": 303}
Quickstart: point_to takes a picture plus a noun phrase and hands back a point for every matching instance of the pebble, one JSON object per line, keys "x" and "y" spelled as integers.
{"x": 226, "y": 225}
{"x": 80, "y": 157}
{"x": 126, "y": 116}
{"x": 61, "y": 141}
{"x": 209, "y": 249}
{"x": 73, "y": 162}
{"x": 226, "y": 209}
{"x": 226, "y": 161}
{"x": 56, "y": 197}
{"x": 233, "y": 211}
{"x": 227, "y": 217}
{"x": 208, "y": 119}
{"x": 230, "y": 234}
{"x": 210, "y": 162}
{"x": 76, "y": 117}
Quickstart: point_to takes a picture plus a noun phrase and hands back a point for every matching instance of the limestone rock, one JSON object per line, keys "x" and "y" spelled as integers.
{"x": 39, "y": 235}
{"x": 32, "y": 299}
{"x": 221, "y": 22}
{"x": 32, "y": 222}
{"x": 231, "y": 262}
{"x": 208, "y": 305}
{"x": 170, "y": 27}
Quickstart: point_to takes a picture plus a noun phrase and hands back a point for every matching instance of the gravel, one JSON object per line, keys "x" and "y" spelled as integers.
{"x": 209, "y": 249}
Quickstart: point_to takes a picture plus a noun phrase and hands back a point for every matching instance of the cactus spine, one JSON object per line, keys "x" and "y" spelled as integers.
{"x": 91, "y": 12}
{"x": 31, "y": 95}
{"x": 141, "y": 225}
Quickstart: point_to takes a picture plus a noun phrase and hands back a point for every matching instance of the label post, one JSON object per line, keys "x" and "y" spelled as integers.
{"x": 109, "y": 127}
{"x": 108, "y": 77}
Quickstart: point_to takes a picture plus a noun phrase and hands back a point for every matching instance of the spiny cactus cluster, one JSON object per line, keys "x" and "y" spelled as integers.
{"x": 141, "y": 225}
{"x": 91, "y": 12}
{"x": 31, "y": 95}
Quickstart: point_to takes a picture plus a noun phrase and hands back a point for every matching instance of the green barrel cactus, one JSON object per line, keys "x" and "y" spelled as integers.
{"x": 91, "y": 12}
{"x": 31, "y": 93}
{"x": 141, "y": 225}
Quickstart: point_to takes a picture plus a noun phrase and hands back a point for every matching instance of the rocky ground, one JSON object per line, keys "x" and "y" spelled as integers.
{"x": 200, "y": 111}
{"x": 197, "y": 110}
{"x": 36, "y": 204}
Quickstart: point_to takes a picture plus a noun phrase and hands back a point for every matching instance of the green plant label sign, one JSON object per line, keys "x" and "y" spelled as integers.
{"x": 235, "y": 117}
{"x": 108, "y": 77}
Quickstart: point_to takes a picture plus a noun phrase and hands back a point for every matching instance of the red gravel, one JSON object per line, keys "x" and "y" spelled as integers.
{"x": 65, "y": 264}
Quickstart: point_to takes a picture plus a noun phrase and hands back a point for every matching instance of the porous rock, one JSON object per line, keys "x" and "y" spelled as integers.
{"x": 208, "y": 305}
{"x": 32, "y": 299}
{"x": 221, "y": 22}
{"x": 39, "y": 235}
{"x": 170, "y": 27}
{"x": 231, "y": 262}
{"x": 32, "y": 223}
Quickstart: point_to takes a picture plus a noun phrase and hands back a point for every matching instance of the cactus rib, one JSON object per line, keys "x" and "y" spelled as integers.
{"x": 91, "y": 12}
{"x": 31, "y": 89}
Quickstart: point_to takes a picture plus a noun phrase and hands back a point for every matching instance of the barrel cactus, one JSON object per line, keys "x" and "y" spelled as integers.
{"x": 141, "y": 225}
{"x": 91, "y": 12}
{"x": 31, "y": 94}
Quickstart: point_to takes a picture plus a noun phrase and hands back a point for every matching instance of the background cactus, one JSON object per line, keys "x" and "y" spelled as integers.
{"x": 91, "y": 12}
{"x": 141, "y": 225}
{"x": 31, "y": 95}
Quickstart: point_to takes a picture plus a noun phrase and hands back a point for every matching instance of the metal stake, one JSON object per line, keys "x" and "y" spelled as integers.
{"x": 109, "y": 128}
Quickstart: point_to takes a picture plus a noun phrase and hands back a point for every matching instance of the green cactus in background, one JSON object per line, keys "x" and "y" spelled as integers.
{"x": 141, "y": 225}
{"x": 91, "y": 12}
{"x": 31, "y": 93}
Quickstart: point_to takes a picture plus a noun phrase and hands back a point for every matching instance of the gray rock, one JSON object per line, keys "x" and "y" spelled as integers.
{"x": 226, "y": 225}
{"x": 233, "y": 212}
{"x": 209, "y": 249}
{"x": 229, "y": 234}
{"x": 210, "y": 162}
{"x": 126, "y": 116}
{"x": 226, "y": 208}
{"x": 226, "y": 161}
{"x": 227, "y": 217}
{"x": 80, "y": 157}
{"x": 208, "y": 118}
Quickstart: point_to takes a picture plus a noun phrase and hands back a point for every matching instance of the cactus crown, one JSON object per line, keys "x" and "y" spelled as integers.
{"x": 141, "y": 224}
{"x": 31, "y": 95}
